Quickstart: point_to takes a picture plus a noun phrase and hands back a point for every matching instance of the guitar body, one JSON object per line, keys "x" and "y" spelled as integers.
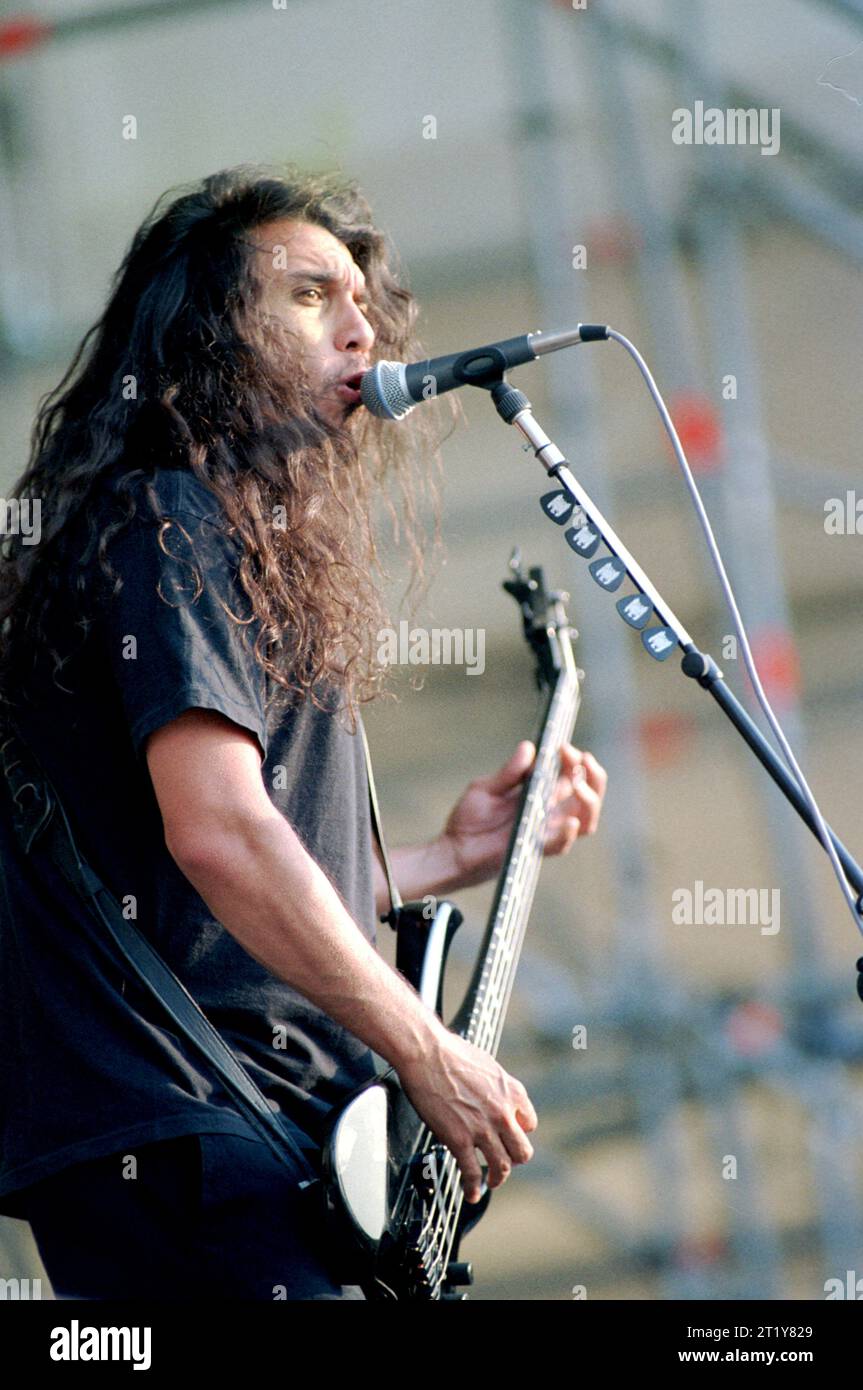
{"x": 385, "y": 1176}
{"x": 382, "y": 1189}
{"x": 393, "y": 1196}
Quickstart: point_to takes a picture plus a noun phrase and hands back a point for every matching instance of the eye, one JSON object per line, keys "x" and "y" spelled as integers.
{"x": 310, "y": 289}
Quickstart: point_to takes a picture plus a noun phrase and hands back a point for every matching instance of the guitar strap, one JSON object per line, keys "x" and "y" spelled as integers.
{"x": 37, "y": 815}
{"x": 395, "y": 898}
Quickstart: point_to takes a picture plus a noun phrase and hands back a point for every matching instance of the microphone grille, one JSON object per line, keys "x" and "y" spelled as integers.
{"x": 384, "y": 391}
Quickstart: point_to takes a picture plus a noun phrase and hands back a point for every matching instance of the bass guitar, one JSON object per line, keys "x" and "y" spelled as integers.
{"x": 392, "y": 1192}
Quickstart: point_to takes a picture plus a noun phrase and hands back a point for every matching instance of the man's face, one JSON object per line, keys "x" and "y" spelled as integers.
{"x": 313, "y": 284}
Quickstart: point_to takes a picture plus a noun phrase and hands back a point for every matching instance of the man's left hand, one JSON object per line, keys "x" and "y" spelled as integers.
{"x": 480, "y": 824}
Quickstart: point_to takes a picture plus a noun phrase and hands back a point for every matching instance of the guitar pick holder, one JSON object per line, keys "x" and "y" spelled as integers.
{"x": 590, "y": 536}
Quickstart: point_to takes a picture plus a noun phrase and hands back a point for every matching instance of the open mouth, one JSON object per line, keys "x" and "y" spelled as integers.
{"x": 349, "y": 389}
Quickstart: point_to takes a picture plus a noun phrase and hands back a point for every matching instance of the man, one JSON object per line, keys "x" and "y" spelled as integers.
{"x": 186, "y": 651}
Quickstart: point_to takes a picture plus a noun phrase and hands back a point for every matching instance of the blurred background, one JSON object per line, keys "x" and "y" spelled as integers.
{"x": 705, "y": 1143}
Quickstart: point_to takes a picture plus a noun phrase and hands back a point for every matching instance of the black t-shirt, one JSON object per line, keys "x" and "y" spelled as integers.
{"x": 87, "y": 1063}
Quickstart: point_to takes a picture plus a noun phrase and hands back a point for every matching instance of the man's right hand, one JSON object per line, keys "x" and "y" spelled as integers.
{"x": 469, "y": 1102}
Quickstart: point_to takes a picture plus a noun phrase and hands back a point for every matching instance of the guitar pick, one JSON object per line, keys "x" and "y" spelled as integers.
{"x": 635, "y": 610}
{"x": 582, "y": 539}
{"x": 659, "y": 641}
{"x": 609, "y": 572}
{"x": 558, "y": 506}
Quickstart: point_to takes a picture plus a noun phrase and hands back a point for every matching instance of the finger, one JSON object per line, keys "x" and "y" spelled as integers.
{"x": 524, "y": 1111}
{"x": 514, "y": 792}
{"x": 471, "y": 1172}
{"x": 584, "y": 804}
{"x": 570, "y": 754}
{"x": 572, "y": 767}
{"x": 567, "y": 786}
{"x": 596, "y": 773}
{"x": 512, "y": 772}
{"x": 587, "y": 808}
{"x": 516, "y": 1142}
{"x": 562, "y": 835}
{"x": 495, "y": 1149}
{"x": 579, "y": 765}
{"x": 522, "y": 1104}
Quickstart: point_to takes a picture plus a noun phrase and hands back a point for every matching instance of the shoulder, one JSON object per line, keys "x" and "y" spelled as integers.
{"x": 165, "y": 495}
{"x": 178, "y": 538}
{"x": 168, "y": 492}
{"x": 179, "y": 490}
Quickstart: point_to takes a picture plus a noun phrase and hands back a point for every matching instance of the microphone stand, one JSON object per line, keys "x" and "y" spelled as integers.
{"x": 586, "y": 529}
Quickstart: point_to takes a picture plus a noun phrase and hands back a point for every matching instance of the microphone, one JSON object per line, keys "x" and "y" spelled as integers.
{"x": 390, "y": 390}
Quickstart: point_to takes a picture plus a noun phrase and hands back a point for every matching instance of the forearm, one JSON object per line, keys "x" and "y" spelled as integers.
{"x": 264, "y": 888}
{"x": 419, "y": 871}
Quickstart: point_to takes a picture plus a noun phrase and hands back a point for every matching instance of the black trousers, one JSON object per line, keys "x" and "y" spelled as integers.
{"x": 207, "y": 1216}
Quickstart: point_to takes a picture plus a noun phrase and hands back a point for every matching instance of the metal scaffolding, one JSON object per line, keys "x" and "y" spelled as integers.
{"x": 680, "y": 1047}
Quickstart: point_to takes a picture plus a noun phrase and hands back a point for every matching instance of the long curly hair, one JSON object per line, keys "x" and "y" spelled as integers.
{"x": 182, "y": 369}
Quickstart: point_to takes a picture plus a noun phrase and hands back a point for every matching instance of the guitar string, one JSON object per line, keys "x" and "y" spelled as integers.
{"x": 561, "y": 716}
{"x": 449, "y": 1191}
{"x": 533, "y": 860}
{"x": 442, "y": 1212}
{"x": 517, "y": 896}
{"x": 452, "y": 1192}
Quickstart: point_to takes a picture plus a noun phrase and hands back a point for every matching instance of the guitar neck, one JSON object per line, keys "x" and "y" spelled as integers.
{"x": 429, "y": 1219}
{"x": 483, "y": 1011}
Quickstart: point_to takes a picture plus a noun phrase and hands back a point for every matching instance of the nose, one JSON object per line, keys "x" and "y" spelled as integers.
{"x": 354, "y": 332}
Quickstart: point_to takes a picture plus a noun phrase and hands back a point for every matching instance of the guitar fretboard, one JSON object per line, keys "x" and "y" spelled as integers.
{"x": 487, "y": 998}
{"x": 511, "y": 911}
